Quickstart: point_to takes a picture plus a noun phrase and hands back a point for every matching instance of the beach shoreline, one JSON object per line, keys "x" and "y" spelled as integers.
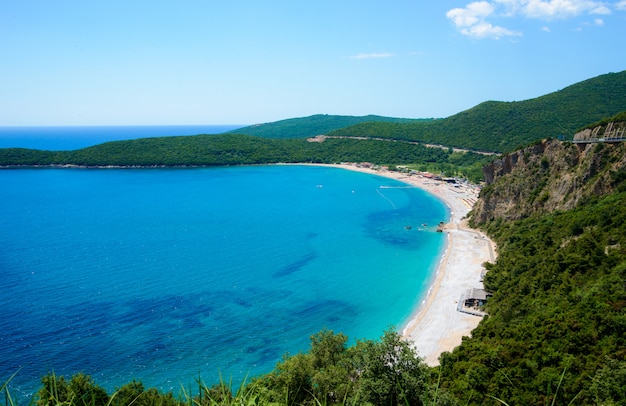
{"x": 435, "y": 325}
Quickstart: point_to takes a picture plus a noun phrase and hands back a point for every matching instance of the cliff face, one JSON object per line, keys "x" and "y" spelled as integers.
{"x": 611, "y": 131}
{"x": 550, "y": 175}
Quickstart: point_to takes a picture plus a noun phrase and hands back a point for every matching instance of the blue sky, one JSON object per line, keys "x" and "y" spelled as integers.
{"x": 243, "y": 62}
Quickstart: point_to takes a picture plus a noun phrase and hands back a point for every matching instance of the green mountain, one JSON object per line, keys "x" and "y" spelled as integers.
{"x": 505, "y": 126}
{"x": 490, "y": 126}
{"x": 314, "y": 125}
{"x": 238, "y": 149}
{"x": 556, "y": 328}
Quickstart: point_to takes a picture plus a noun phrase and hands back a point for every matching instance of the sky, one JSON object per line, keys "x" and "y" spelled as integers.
{"x": 77, "y": 62}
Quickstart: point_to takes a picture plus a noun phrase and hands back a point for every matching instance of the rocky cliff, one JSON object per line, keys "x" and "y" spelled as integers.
{"x": 613, "y": 131}
{"x": 549, "y": 175}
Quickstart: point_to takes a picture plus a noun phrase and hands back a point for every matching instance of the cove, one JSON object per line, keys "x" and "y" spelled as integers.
{"x": 164, "y": 275}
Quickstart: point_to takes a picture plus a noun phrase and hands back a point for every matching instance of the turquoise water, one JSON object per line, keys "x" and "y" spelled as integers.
{"x": 162, "y": 275}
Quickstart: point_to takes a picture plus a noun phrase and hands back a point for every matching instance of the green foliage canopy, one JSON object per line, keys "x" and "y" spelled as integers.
{"x": 504, "y": 126}
{"x": 237, "y": 149}
{"x": 313, "y": 125}
{"x": 559, "y": 304}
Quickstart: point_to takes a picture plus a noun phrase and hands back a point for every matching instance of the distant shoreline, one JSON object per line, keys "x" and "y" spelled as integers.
{"x": 435, "y": 325}
{"x": 76, "y": 166}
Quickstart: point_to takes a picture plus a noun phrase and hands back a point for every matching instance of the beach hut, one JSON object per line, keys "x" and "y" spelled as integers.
{"x": 476, "y": 298}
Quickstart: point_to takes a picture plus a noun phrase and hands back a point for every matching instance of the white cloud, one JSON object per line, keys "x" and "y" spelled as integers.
{"x": 511, "y": 7}
{"x": 473, "y": 14}
{"x": 598, "y": 21}
{"x": 373, "y": 55}
{"x": 561, "y": 9}
{"x": 546, "y": 29}
{"x": 485, "y": 30}
{"x": 621, "y": 5}
{"x": 602, "y": 9}
{"x": 473, "y": 19}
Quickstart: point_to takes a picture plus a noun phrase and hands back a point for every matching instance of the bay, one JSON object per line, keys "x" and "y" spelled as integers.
{"x": 164, "y": 275}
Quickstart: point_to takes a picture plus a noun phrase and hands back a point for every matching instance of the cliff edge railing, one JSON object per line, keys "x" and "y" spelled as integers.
{"x": 613, "y": 132}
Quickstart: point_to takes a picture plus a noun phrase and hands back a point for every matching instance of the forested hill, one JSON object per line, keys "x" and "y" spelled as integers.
{"x": 505, "y": 126}
{"x": 314, "y": 125}
{"x": 238, "y": 149}
{"x": 490, "y": 126}
{"x": 557, "y": 319}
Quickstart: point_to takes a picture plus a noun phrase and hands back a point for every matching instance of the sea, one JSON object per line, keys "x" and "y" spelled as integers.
{"x": 62, "y": 138}
{"x": 167, "y": 276}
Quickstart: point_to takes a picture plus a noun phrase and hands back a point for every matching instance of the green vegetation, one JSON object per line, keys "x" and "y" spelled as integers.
{"x": 26, "y": 157}
{"x": 237, "y": 149}
{"x": 490, "y": 126}
{"x": 314, "y": 125}
{"x": 559, "y": 304}
{"x": 620, "y": 117}
{"x": 383, "y": 372}
{"x": 504, "y": 126}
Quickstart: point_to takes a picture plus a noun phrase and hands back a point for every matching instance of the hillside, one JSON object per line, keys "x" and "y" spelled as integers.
{"x": 549, "y": 176}
{"x": 611, "y": 129}
{"x": 237, "y": 149}
{"x": 490, "y": 126}
{"x": 314, "y": 125}
{"x": 558, "y": 313}
{"x": 504, "y": 126}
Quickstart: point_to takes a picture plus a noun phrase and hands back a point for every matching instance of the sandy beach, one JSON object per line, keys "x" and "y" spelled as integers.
{"x": 436, "y": 326}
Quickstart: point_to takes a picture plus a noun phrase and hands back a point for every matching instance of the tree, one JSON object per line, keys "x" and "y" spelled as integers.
{"x": 393, "y": 373}
{"x": 80, "y": 391}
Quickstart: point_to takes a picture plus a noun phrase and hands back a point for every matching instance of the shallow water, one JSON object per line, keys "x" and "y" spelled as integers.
{"x": 162, "y": 275}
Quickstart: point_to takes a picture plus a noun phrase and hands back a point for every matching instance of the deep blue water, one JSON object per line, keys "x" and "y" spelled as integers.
{"x": 162, "y": 275}
{"x": 69, "y": 138}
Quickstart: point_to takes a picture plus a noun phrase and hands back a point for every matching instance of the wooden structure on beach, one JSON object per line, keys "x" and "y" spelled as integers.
{"x": 472, "y": 302}
{"x": 476, "y": 298}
